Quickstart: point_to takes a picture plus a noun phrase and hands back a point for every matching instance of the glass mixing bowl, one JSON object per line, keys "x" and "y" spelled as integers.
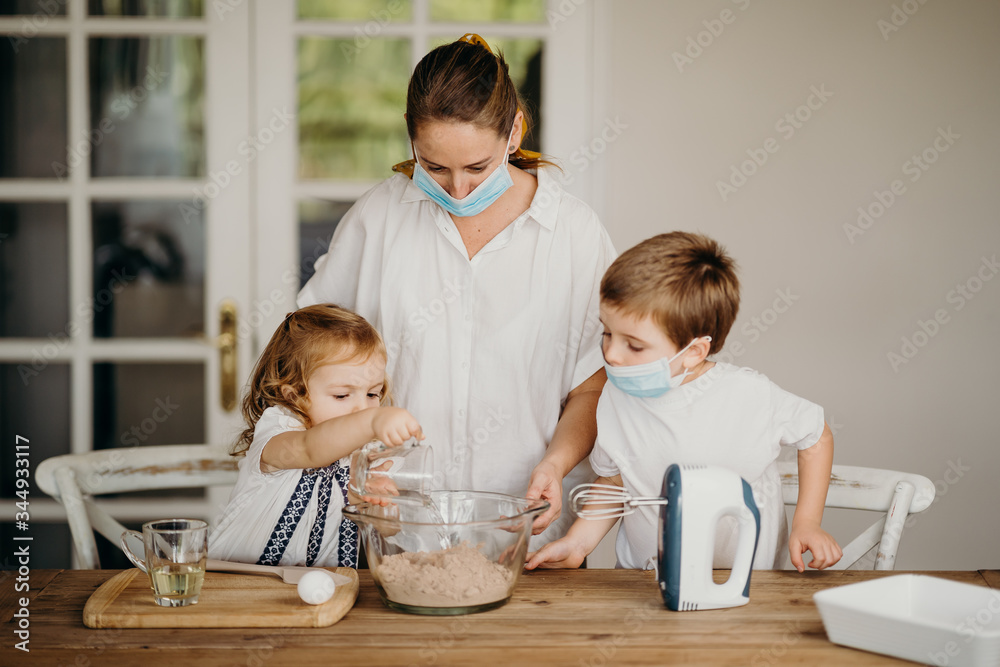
{"x": 449, "y": 552}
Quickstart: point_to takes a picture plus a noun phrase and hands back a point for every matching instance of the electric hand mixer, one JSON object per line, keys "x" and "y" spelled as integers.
{"x": 692, "y": 500}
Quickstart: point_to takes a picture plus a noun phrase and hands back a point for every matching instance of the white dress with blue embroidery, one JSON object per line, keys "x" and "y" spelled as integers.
{"x": 278, "y": 518}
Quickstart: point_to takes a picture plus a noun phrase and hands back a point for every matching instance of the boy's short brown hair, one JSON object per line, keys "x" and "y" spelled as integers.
{"x": 686, "y": 282}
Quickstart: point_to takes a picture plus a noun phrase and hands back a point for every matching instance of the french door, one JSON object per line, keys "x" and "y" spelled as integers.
{"x": 124, "y": 233}
{"x": 170, "y": 170}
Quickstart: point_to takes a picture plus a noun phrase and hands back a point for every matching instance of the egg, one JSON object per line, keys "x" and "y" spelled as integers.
{"x": 316, "y": 587}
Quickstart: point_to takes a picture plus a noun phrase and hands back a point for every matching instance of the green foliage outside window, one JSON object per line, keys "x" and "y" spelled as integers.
{"x": 513, "y": 11}
{"x": 382, "y": 11}
{"x": 351, "y": 104}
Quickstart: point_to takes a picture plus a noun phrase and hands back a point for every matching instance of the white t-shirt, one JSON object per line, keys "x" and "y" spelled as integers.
{"x": 484, "y": 351}
{"x": 731, "y": 417}
{"x": 259, "y": 498}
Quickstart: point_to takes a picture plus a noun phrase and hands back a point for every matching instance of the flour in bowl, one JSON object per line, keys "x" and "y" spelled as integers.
{"x": 456, "y": 577}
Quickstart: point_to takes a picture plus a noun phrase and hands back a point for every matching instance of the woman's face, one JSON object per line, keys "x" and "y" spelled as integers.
{"x": 459, "y": 156}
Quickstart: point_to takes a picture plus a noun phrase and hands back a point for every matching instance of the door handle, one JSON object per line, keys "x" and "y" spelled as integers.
{"x": 227, "y": 354}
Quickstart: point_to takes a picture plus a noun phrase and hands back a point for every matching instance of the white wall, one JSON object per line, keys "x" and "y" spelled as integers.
{"x": 852, "y": 298}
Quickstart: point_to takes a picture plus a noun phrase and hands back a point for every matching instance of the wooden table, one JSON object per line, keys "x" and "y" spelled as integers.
{"x": 557, "y": 617}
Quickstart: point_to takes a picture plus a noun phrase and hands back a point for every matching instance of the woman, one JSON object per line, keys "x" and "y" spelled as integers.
{"x": 483, "y": 279}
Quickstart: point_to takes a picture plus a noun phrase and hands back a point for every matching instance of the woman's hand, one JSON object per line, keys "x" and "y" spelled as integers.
{"x": 394, "y": 426}
{"x": 812, "y": 538}
{"x": 379, "y": 483}
{"x": 571, "y": 443}
{"x": 546, "y": 484}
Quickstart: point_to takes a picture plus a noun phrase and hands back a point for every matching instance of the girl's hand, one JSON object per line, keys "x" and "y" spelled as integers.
{"x": 394, "y": 426}
{"x": 564, "y": 552}
{"x": 812, "y": 538}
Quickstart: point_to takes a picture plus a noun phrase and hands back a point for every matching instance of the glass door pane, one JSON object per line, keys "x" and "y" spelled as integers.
{"x": 42, "y": 7}
{"x": 484, "y": 11}
{"x": 382, "y": 11}
{"x": 146, "y": 106}
{"x": 34, "y": 404}
{"x": 149, "y": 270}
{"x": 146, "y": 404}
{"x": 317, "y": 221}
{"x": 33, "y": 107}
{"x": 34, "y": 270}
{"x": 147, "y": 8}
{"x": 351, "y": 104}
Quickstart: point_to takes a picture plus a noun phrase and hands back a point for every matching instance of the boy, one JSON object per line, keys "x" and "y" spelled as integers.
{"x": 667, "y": 304}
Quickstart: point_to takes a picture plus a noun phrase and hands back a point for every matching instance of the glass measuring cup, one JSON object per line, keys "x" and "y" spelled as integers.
{"x": 380, "y": 471}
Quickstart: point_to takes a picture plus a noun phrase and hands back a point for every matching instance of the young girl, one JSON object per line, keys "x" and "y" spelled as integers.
{"x": 318, "y": 393}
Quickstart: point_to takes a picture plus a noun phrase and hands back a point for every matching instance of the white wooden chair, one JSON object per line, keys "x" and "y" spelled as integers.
{"x": 74, "y": 480}
{"x": 894, "y": 494}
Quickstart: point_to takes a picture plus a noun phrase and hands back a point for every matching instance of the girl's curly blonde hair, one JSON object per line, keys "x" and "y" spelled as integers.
{"x": 308, "y": 338}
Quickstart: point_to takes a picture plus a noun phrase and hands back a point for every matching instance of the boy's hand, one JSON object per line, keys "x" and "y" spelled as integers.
{"x": 394, "y": 426}
{"x": 810, "y": 537}
{"x": 564, "y": 552}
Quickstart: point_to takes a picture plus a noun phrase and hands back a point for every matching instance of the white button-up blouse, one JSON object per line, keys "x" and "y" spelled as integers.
{"x": 482, "y": 351}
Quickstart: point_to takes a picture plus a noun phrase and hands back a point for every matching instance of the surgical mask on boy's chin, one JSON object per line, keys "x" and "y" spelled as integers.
{"x": 649, "y": 380}
{"x": 477, "y": 201}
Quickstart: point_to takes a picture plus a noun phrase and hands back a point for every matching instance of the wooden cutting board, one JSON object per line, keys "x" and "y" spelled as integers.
{"x": 227, "y": 600}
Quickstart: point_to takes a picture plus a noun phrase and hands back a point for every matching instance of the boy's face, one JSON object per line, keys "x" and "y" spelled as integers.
{"x": 630, "y": 341}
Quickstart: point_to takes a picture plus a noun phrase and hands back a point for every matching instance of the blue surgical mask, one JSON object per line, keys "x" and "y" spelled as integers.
{"x": 476, "y": 201}
{"x": 648, "y": 380}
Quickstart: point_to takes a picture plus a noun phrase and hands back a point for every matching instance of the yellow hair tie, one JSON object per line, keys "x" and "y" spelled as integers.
{"x": 473, "y": 38}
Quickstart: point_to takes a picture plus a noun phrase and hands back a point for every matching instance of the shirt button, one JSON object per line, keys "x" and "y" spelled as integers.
{"x": 465, "y": 365}
{"x": 461, "y": 413}
{"x": 468, "y": 318}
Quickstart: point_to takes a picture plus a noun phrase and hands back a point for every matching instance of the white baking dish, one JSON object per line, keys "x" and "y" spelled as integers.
{"x": 926, "y": 619}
